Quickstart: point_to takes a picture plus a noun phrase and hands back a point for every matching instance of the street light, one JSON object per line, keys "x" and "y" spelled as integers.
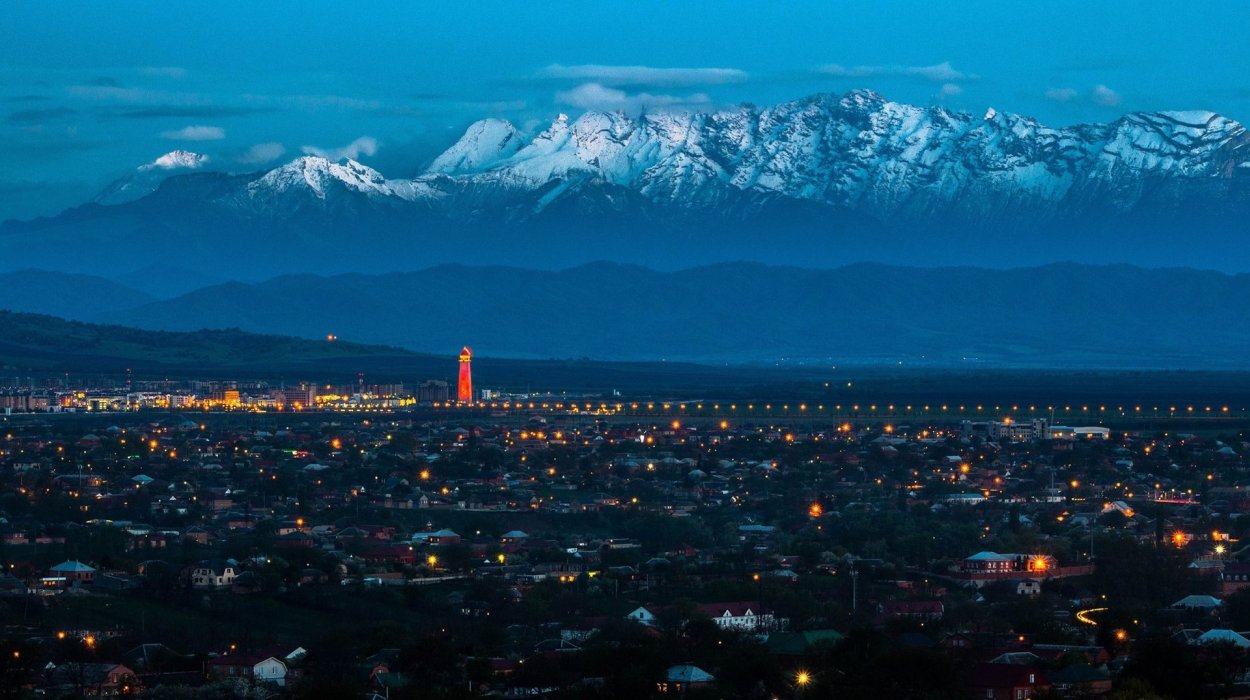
{"x": 802, "y": 679}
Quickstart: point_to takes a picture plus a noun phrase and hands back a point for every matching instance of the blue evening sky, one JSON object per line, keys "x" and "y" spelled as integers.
{"x": 90, "y": 90}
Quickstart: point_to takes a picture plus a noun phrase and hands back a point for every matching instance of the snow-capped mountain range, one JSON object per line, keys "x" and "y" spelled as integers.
{"x": 858, "y": 151}
{"x": 840, "y": 177}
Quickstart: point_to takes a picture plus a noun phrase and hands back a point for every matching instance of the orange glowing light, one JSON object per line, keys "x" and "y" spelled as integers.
{"x": 815, "y": 510}
{"x": 464, "y": 385}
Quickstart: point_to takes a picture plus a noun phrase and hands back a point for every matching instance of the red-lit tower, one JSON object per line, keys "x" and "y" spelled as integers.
{"x": 464, "y": 390}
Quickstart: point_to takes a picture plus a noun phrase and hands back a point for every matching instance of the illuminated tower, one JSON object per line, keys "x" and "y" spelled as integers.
{"x": 464, "y": 391}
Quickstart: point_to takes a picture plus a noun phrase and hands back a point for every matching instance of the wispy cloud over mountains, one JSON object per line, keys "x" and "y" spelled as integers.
{"x": 645, "y": 75}
{"x": 195, "y": 133}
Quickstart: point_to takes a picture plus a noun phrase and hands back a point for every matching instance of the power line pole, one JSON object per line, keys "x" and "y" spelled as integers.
{"x": 854, "y": 588}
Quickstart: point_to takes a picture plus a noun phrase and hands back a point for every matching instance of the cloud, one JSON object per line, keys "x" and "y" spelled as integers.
{"x": 432, "y": 107}
{"x": 39, "y": 116}
{"x": 598, "y": 97}
{"x": 1101, "y": 95}
{"x": 98, "y": 91}
{"x": 190, "y": 111}
{"x": 45, "y": 144}
{"x": 311, "y": 101}
{"x": 949, "y": 90}
{"x": 1061, "y": 94}
{"x": 164, "y": 71}
{"x": 1105, "y": 96}
{"x": 196, "y": 133}
{"x": 262, "y": 153}
{"x": 645, "y": 75}
{"x": 363, "y": 146}
{"x": 940, "y": 72}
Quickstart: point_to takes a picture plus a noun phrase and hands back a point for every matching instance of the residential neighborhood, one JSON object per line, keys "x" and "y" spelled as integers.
{"x": 582, "y": 554}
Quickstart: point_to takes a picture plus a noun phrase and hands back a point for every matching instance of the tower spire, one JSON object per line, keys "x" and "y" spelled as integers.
{"x": 464, "y": 390}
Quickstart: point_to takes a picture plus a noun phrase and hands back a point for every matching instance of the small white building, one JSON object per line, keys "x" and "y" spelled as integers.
{"x": 642, "y": 616}
{"x": 214, "y": 573}
{"x": 738, "y": 616}
{"x": 1088, "y": 432}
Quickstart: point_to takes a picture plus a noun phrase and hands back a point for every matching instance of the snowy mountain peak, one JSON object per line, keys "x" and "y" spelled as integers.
{"x": 484, "y": 144}
{"x": 144, "y": 179}
{"x": 320, "y": 176}
{"x": 175, "y": 160}
{"x": 855, "y": 99}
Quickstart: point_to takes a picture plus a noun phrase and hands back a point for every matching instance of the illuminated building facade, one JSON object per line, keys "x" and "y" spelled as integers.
{"x": 464, "y": 389}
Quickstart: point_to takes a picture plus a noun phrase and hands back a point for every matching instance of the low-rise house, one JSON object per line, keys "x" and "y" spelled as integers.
{"x": 93, "y": 679}
{"x": 400, "y": 553}
{"x": 273, "y": 666}
{"x": 74, "y": 572}
{"x": 1006, "y": 681}
{"x": 1223, "y": 636}
{"x": 437, "y": 537}
{"x": 1080, "y": 680}
{"x": 683, "y": 677}
{"x": 1199, "y": 603}
{"x": 1234, "y": 577}
{"x": 214, "y": 574}
{"x": 791, "y": 648}
{"x": 643, "y": 616}
{"x": 738, "y": 616}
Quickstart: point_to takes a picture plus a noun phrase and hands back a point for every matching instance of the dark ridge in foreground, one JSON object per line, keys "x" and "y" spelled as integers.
{"x": 1062, "y": 315}
{"x": 42, "y": 344}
